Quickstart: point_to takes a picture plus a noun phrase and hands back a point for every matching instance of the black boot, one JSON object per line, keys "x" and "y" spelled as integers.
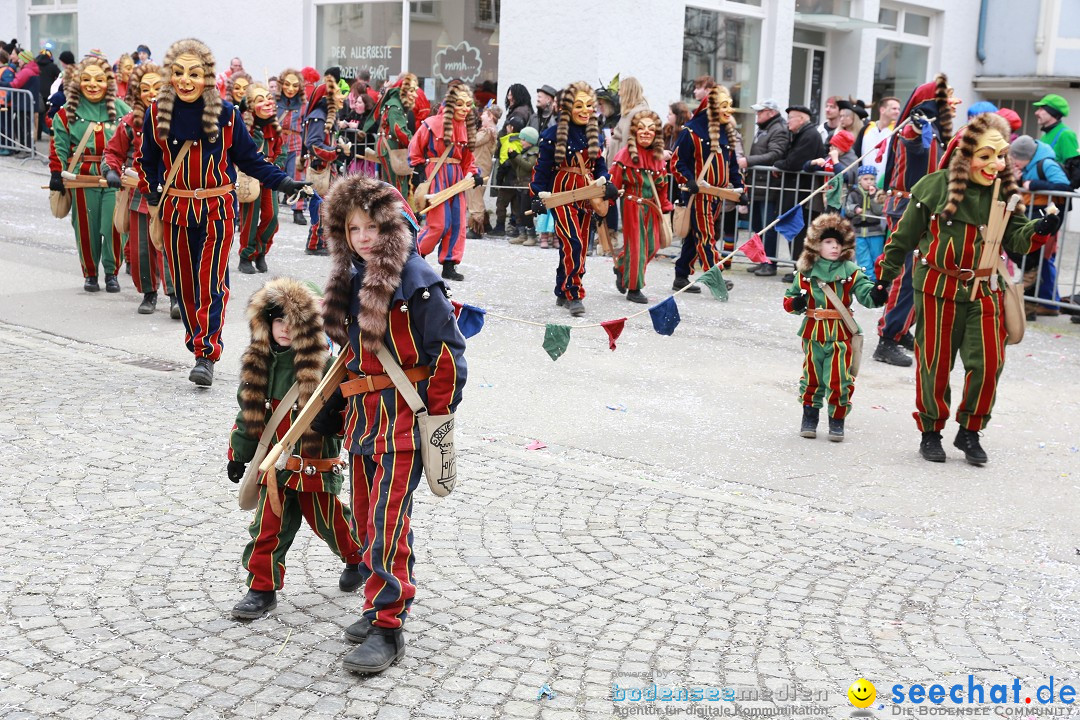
{"x": 637, "y": 296}
{"x": 381, "y": 649}
{"x": 809, "y": 422}
{"x": 203, "y": 372}
{"x": 149, "y": 302}
{"x": 260, "y": 263}
{"x": 358, "y": 631}
{"x": 836, "y": 429}
{"x": 449, "y": 272}
{"x": 499, "y": 229}
{"x": 619, "y": 285}
{"x": 174, "y": 308}
{"x": 350, "y": 578}
{"x": 246, "y": 267}
{"x": 576, "y": 308}
{"x": 298, "y": 217}
{"x": 255, "y": 604}
{"x": 889, "y": 351}
{"x": 968, "y": 441}
{"x": 682, "y": 282}
{"x": 91, "y": 284}
{"x": 908, "y": 342}
{"x": 111, "y": 283}
{"x": 930, "y": 447}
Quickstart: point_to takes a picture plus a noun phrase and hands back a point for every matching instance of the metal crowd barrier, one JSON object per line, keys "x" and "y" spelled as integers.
{"x": 17, "y": 120}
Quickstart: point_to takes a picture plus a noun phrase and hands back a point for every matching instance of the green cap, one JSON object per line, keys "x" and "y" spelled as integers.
{"x": 1056, "y": 102}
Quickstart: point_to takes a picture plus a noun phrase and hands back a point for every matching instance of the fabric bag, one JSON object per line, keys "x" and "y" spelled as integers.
{"x": 319, "y": 179}
{"x": 436, "y": 431}
{"x": 157, "y": 224}
{"x": 399, "y": 162}
{"x": 60, "y": 200}
{"x": 247, "y": 188}
{"x": 681, "y": 221}
{"x": 856, "y": 341}
{"x": 1012, "y": 300}
{"x": 121, "y": 217}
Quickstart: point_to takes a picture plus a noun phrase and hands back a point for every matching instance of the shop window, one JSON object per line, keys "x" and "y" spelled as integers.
{"x": 359, "y": 36}
{"x": 487, "y": 13}
{"x": 899, "y": 68}
{"x": 56, "y": 22}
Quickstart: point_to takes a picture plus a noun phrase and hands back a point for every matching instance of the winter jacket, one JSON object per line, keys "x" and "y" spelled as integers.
{"x": 864, "y": 223}
{"x": 770, "y": 144}
{"x": 523, "y": 164}
{"x": 805, "y": 145}
{"x": 1061, "y": 139}
{"x": 1044, "y": 172}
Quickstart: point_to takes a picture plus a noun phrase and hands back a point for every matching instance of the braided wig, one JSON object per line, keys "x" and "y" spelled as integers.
{"x": 212, "y": 102}
{"x": 73, "y": 86}
{"x": 458, "y": 93}
{"x": 566, "y": 107}
{"x": 960, "y": 162}
{"x": 134, "y": 97}
{"x": 657, "y": 146}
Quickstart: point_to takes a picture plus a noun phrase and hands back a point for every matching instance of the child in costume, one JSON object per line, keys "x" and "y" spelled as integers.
{"x": 958, "y": 302}
{"x": 287, "y": 346}
{"x": 638, "y": 170}
{"x": 382, "y": 294}
{"x": 864, "y": 207}
{"x": 827, "y": 258}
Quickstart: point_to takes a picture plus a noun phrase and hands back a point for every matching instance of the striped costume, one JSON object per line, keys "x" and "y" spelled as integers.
{"x": 318, "y": 131}
{"x": 259, "y": 218}
{"x": 394, "y": 133}
{"x": 445, "y": 225}
{"x": 198, "y": 209}
{"x": 291, "y": 119}
{"x": 644, "y": 183}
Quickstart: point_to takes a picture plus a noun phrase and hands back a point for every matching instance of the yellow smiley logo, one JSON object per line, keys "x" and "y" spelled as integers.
{"x": 862, "y": 693}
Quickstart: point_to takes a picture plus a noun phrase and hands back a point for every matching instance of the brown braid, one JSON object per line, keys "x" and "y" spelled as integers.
{"x": 657, "y": 146}
{"x": 960, "y": 162}
{"x": 945, "y": 110}
{"x": 73, "y": 87}
{"x": 562, "y": 132}
{"x": 212, "y": 102}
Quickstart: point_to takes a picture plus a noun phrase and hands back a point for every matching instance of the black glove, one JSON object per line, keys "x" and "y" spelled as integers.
{"x": 112, "y": 178}
{"x": 329, "y": 421}
{"x": 880, "y": 295}
{"x": 744, "y": 197}
{"x": 153, "y": 198}
{"x": 478, "y": 180}
{"x": 691, "y": 186}
{"x": 419, "y": 175}
{"x": 1048, "y": 224}
{"x": 56, "y": 182}
{"x": 538, "y": 207}
{"x": 610, "y": 191}
{"x": 236, "y": 470}
{"x": 918, "y": 118}
{"x": 798, "y": 303}
{"x": 512, "y": 154}
{"x": 290, "y": 187}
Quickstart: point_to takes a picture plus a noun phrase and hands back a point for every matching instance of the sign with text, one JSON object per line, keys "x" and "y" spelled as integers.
{"x": 458, "y": 62}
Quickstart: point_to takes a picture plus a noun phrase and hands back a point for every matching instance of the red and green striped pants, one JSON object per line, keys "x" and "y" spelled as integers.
{"x": 258, "y": 225}
{"x": 826, "y": 377}
{"x": 976, "y": 331}
{"x": 149, "y": 266}
{"x": 97, "y": 240}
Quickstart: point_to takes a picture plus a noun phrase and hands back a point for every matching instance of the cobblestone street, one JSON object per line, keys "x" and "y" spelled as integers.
{"x": 674, "y": 530}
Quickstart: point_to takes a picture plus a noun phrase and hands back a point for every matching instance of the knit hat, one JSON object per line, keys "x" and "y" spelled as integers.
{"x": 1055, "y": 105}
{"x": 983, "y": 106}
{"x": 843, "y": 140}
{"x": 1014, "y": 120}
{"x": 867, "y": 170}
{"x": 1023, "y": 147}
{"x": 494, "y": 110}
{"x": 529, "y": 135}
{"x": 25, "y": 56}
{"x": 67, "y": 57}
{"x": 96, "y": 53}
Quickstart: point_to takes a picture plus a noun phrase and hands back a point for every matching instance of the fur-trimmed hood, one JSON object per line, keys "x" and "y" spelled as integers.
{"x": 957, "y": 159}
{"x": 382, "y": 272}
{"x": 823, "y": 226}
{"x": 300, "y": 308}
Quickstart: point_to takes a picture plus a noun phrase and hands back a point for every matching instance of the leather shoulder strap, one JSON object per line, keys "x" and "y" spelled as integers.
{"x": 180, "y": 157}
{"x": 705, "y": 167}
{"x": 845, "y": 314}
{"x": 442, "y": 159}
{"x": 581, "y": 164}
{"x": 401, "y": 381}
{"x": 81, "y": 146}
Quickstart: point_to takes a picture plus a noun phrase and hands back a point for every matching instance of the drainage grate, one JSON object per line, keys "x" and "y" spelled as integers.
{"x": 152, "y": 364}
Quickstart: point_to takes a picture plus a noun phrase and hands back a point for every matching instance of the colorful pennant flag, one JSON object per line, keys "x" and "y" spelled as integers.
{"x": 556, "y": 339}
{"x": 754, "y": 250}
{"x": 927, "y": 134}
{"x": 665, "y": 316}
{"x": 791, "y": 223}
{"x": 614, "y": 329}
{"x": 471, "y": 320}
{"x": 881, "y": 147}
{"x": 714, "y": 280}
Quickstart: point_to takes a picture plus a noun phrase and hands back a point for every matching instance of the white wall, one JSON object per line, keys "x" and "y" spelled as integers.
{"x": 263, "y": 34}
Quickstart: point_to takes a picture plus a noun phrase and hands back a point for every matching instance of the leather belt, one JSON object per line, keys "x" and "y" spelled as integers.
{"x": 448, "y": 161}
{"x": 91, "y": 158}
{"x": 575, "y": 170}
{"x": 900, "y": 194}
{"x": 823, "y": 314}
{"x": 309, "y": 467}
{"x": 964, "y": 275}
{"x": 360, "y": 384}
{"x": 201, "y": 193}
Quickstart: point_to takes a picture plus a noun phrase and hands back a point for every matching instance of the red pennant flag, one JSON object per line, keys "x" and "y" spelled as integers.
{"x": 754, "y": 250}
{"x": 881, "y": 150}
{"x": 614, "y": 329}
{"x": 457, "y": 308}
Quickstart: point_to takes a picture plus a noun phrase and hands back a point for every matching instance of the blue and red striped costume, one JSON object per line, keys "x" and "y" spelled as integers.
{"x": 318, "y": 140}
{"x": 198, "y": 231}
{"x": 445, "y": 225}
{"x": 572, "y": 221}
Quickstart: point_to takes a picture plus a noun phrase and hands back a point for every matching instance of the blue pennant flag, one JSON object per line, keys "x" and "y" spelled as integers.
{"x": 927, "y": 134}
{"x": 791, "y": 223}
{"x": 471, "y": 320}
{"x": 665, "y": 316}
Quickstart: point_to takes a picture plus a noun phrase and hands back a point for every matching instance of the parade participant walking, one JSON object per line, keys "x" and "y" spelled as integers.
{"x": 390, "y": 120}
{"x": 259, "y": 218}
{"x": 383, "y": 297}
{"x": 931, "y": 106}
{"x": 703, "y": 151}
{"x": 441, "y": 154}
{"x": 321, "y": 153}
{"x": 958, "y": 292}
{"x": 236, "y": 87}
{"x": 571, "y": 158}
{"x": 81, "y": 130}
{"x": 827, "y": 261}
{"x": 638, "y": 171}
{"x": 124, "y": 67}
{"x": 193, "y": 141}
{"x": 287, "y": 346}
{"x": 150, "y": 268}
{"x": 290, "y": 111}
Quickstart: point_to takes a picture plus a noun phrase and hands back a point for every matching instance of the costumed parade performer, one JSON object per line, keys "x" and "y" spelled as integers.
{"x": 392, "y": 122}
{"x": 290, "y": 109}
{"x": 322, "y": 155}
{"x": 259, "y": 218}
{"x": 190, "y": 128}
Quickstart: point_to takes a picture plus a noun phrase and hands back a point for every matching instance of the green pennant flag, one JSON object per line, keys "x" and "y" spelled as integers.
{"x": 556, "y": 338}
{"x": 714, "y": 280}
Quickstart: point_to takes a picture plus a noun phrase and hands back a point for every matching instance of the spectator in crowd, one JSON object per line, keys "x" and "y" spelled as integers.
{"x": 274, "y": 84}
{"x": 702, "y": 85}
{"x": 143, "y": 52}
{"x": 865, "y": 207}
{"x": 631, "y": 100}
{"x": 50, "y": 73}
{"x": 28, "y": 78}
{"x": 678, "y": 115}
{"x": 983, "y": 106}
{"x": 771, "y": 141}
{"x": 352, "y": 118}
{"x": 849, "y": 118}
{"x": 1015, "y": 123}
{"x": 831, "y": 123}
{"x": 1049, "y": 111}
{"x": 608, "y": 110}
{"x": 518, "y": 104}
{"x": 364, "y": 76}
{"x": 545, "y": 108}
{"x": 1038, "y": 170}
{"x": 521, "y": 168}
{"x": 806, "y": 144}
{"x": 507, "y": 195}
{"x": 840, "y": 155}
{"x": 875, "y": 132}
{"x": 484, "y": 93}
